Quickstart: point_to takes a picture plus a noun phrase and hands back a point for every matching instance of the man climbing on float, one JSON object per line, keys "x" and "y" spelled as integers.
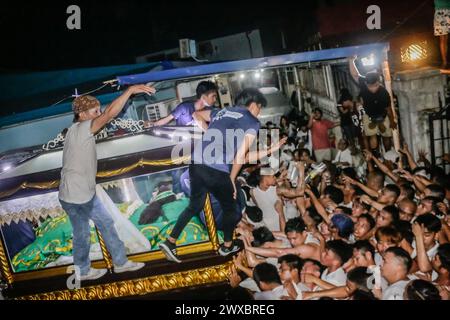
{"x": 77, "y": 188}
{"x": 216, "y": 171}
{"x": 206, "y": 93}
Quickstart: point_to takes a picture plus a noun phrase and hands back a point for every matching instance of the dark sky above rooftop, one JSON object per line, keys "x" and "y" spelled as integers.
{"x": 35, "y": 37}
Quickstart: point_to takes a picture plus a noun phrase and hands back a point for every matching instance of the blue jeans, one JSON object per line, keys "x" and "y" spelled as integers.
{"x": 79, "y": 215}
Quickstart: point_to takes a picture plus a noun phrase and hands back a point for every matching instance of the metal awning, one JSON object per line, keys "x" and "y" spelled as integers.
{"x": 379, "y": 49}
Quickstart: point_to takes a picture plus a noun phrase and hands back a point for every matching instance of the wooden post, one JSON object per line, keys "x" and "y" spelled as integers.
{"x": 211, "y": 223}
{"x": 5, "y": 266}
{"x": 388, "y": 86}
{"x": 105, "y": 253}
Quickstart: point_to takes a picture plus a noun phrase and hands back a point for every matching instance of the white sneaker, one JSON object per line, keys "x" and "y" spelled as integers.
{"x": 93, "y": 274}
{"x": 129, "y": 266}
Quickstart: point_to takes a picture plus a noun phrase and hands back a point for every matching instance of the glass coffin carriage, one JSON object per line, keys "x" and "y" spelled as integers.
{"x": 140, "y": 183}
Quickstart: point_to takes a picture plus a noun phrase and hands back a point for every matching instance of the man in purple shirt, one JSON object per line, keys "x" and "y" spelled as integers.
{"x": 206, "y": 97}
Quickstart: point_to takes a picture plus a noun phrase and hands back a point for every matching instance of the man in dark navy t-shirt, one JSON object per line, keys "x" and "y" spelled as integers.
{"x": 379, "y": 117}
{"x": 216, "y": 161}
{"x": 182, "y": 114}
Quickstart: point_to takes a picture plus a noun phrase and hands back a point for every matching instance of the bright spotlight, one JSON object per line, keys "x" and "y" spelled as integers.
{"x": 414, "y": 52}
{"x": 257, "y": 75}
{"x": 6, "y": 167}
{"x": 242, "y": 76}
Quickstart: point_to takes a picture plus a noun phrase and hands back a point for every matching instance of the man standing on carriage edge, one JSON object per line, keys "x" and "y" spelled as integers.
{"x": 217, "y": 173}
{"x": 77, "y": 188}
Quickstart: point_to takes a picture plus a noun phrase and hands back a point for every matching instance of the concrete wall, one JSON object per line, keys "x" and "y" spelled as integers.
{"x": 418, "y": 94}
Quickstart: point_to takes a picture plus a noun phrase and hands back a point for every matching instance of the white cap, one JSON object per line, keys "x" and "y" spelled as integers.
{"x": 267, "y": 171}
{"x": 391, "y": 155}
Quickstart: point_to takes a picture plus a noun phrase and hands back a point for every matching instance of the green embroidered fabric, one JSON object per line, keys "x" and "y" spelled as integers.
{"x": 54, "y": 236}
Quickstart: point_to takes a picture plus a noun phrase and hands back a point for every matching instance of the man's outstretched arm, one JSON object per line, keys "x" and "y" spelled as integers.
{"x": 117, "y": 105}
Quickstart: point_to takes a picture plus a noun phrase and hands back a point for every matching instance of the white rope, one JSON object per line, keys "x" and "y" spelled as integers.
{"x": 77, "y": 95}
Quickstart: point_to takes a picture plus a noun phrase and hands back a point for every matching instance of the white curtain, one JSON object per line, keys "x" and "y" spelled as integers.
{"x": 134, "y": 240}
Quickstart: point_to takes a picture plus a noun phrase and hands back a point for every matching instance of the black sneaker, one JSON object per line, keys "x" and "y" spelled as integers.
{"x": 225, "y": 251}
{"x": 170, "y": 251}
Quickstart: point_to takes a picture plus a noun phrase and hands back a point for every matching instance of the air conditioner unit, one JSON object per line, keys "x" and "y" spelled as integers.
{"x": 156, "y": 111}
{"x": 188, "y": 48}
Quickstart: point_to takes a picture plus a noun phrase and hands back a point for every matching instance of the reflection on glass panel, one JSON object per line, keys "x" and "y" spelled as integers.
{"x": 37, "y": 232}
{"x": 151, "y": 206}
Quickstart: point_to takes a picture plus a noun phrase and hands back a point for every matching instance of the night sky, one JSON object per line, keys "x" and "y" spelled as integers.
{"x": 35, "y": 38}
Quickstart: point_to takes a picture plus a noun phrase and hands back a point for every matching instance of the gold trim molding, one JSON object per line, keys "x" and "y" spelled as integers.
{"x": 4, "y": 265}
{"x": 140, "y": 257}
{"x": 178, "y": 280}
{"x": 102, "y": 174}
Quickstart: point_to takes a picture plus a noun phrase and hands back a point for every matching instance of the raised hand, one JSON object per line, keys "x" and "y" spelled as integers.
{"x": 405, "y": 174}
{"x": 141, "y": 88}
{"x": 366, "y": 199}
{"x": 277, "y": 145}
{"x": 422, "y": 155}
{"x": 347, "y": 179}
{"x": 289, "y": 286}
{"x": 405, "y": 148}
{"x": 368, "y": 155}
{"x": 148, "y": 124}
{"x": 234, "y": 278}
{"x": 417, "y": 230}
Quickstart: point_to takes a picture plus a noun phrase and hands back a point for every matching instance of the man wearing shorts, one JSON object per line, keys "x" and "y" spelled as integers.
{"x": 442, "y": 26}
{"x": 378, "y": 118}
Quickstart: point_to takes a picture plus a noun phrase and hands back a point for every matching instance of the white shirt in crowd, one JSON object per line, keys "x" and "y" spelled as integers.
{"x": 290, "y": 210}
{"x": 430, "y": 254}
{"x": 378, "y": 259}
{"x": 250, "y": 284}
{"x": 290, "y": 147}
{"x": 266, "y": 202}
{"x": 337, "y": 278}
{"x": 310, "y": 239}
{"x": 301, "y": 287}
{"x": 305, "y": 136}
{"x": 395, "y": 291}
{"x": 344, "y": 156}
{"x": 274, "y": 294}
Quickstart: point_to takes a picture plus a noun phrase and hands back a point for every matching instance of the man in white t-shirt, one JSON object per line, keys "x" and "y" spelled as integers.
{"x": 305, "y": 287}
{"x": 425, "y": 246}
{"x": 337, "y": 253}
{"x": 268, "y": 280}
{"x": 78, "y": 180}
{"x": 344, "y": 157}
{"x": 395, "y": 269}
{"x": 267, "y": 196}
{"x": 303, "y": 243}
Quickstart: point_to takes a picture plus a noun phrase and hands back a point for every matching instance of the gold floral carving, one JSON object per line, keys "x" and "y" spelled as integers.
{"x": 184, "y": 279}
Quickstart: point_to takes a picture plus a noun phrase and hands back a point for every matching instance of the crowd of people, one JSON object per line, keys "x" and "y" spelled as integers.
{"x": 356, "y": 221}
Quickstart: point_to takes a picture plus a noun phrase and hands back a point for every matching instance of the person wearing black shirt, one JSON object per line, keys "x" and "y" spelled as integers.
{"x": 378, "y": 118}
